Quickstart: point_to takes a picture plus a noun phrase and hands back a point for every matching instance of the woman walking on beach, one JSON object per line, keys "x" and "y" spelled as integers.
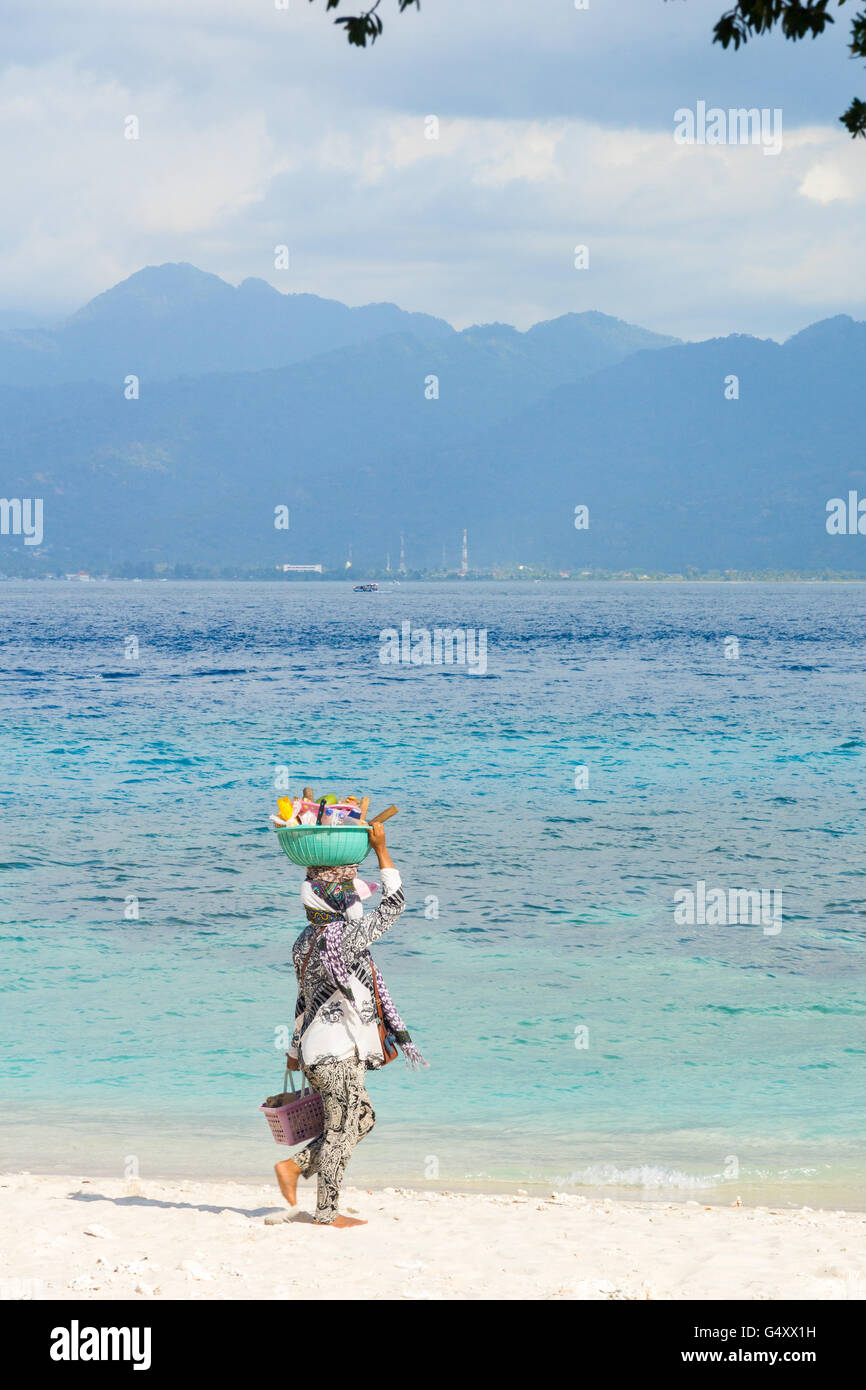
{"x": 336, "y": 1038}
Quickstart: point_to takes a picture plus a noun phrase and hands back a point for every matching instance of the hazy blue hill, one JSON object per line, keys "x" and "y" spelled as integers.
{"x": 583, "y": 409}
{"x": 836, "y": 331}
{"x": 675, "y": 474}
{"x": 175, "y": 320}
{"x": 572, "y": 345}
{"x": 602, "y": 340}
{"x": 193, "y": 469}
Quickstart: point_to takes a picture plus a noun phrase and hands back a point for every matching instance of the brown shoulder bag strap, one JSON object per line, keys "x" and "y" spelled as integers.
{"x": 376, "y": 993}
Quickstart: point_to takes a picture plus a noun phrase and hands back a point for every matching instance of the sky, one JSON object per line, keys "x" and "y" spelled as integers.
{"x": 260, "y": 127}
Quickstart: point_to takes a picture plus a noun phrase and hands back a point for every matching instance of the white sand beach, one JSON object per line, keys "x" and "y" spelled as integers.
{"x": 103, "y": 1238}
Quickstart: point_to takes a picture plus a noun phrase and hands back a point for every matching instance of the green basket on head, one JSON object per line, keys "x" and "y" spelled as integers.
{"x": 324, "y": 845}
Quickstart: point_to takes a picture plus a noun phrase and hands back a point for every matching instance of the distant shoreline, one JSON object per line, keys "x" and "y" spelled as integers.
{"x": 527, "y": 576}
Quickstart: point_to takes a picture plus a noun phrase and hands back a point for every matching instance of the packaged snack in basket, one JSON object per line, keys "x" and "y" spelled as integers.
{"x": 327, "y": 810}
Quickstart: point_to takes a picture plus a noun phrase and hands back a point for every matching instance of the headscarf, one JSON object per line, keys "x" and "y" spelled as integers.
{"x": 333, "y": 896}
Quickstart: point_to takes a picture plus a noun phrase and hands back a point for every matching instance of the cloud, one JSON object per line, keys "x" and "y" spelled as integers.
{"x": 837, "y": 177}
{"x": 623, "y": 63}
{"x": 482, "y": 224}
{"x": 90, "y": 203}
{"x": 261, "y": 127}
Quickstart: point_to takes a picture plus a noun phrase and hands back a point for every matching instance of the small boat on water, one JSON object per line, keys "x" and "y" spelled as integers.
{"x": 365, "y": 588}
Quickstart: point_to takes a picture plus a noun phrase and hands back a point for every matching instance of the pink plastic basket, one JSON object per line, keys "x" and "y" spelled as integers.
{"x": 301, "y": 1120}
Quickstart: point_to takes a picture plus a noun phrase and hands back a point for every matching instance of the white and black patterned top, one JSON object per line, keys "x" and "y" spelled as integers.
{"x": 328, "y": 1027}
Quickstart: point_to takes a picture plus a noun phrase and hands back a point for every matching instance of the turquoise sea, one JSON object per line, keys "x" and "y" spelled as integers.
{"x": 719, "y": 1061}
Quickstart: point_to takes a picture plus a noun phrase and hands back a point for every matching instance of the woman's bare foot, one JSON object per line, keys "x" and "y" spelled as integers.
{"x": 288, "y": 1173}
{"x": 347, "y": 1221}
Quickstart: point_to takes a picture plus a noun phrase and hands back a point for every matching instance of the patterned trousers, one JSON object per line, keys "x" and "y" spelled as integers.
{"x": 349, "y": 1115}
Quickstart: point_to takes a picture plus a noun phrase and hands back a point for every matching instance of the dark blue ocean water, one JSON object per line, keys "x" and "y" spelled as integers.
{"x": 717, "y": 1057}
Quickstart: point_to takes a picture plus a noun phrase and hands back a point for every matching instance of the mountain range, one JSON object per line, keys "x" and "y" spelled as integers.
{"x": 166, "y": 420}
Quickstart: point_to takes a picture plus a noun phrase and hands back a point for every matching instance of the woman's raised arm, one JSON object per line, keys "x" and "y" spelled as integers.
{"x": 358, "y": 936}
